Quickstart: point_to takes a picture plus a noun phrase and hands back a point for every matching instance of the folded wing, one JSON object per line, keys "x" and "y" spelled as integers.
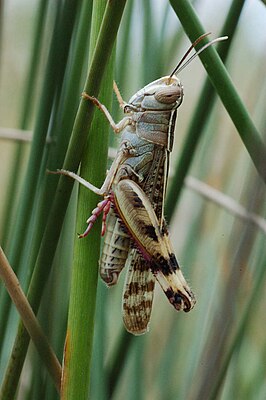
{"x": 136, "y": 212}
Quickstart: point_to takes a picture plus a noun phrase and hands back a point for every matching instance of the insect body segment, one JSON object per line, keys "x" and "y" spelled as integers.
{"x": 115, "y": 250}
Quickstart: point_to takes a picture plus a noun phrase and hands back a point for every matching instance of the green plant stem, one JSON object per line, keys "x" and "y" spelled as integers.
{"x": 228, "y": 325}
{"x": 224, "y": 87}
{"x": 118, "y": 360}
{"x": 55, "y": 69}
{"x": 29, "y": 320}
{"x": 241, "y": 327}
{"x": 61, "y": 129}
{"x": 125, "y": 48}
{"x": 80, "y": 330}
{"x": 25, "y": 116}
{"x": 53, "y": 74}
{"x": 201, "y": 114}
{"x": 82, "y": 123}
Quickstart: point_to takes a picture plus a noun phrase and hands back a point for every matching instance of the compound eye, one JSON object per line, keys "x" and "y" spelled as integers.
{"x": 168, "y": 95}
{"x": 127, "y": 109}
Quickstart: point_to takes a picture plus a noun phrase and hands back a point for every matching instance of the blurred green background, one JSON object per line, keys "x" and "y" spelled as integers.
{"x": 219, "y": 349}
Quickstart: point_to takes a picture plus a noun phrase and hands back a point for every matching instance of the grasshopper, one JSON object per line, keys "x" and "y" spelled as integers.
{"x": 136, "y": 234}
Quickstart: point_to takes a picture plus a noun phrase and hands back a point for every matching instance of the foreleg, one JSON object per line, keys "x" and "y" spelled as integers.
{"x": 117, "y": 128}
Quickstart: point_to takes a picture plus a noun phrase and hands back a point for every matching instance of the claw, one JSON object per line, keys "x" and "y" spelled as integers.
{"x": 102, "y": 207}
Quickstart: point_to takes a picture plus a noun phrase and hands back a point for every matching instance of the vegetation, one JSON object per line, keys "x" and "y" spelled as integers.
{"x": 215, "y": 202}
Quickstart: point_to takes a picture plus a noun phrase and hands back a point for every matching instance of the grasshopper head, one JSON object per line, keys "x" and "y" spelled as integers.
{"x": 166, "y": 93}
{"x": 163, "y": 94}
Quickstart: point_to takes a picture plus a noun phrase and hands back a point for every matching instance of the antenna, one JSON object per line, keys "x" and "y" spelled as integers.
{"x": 180, "y": 66}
